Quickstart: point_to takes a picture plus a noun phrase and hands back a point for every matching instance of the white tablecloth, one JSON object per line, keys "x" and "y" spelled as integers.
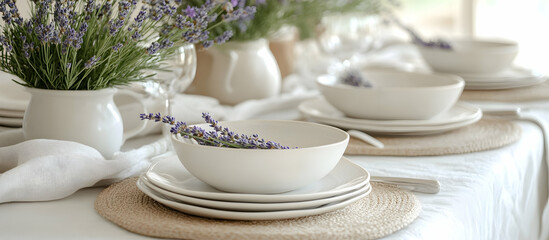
{"x": 497, "y": 194}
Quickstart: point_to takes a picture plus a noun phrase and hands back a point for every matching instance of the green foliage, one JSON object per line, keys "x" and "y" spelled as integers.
{"x": 89, "y": 45}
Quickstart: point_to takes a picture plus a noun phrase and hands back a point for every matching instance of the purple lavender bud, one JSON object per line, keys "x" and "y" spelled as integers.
{"x": 166, "y": 43}
{"x": 224, "y": 37}
{"x": 153, "y": 49}
{"x": 90, "y": 63}
{"x": 90, "y": 6}
{"x": 27, "y": 47}
{"x": 117, "y": 47}
{"x": 190, "y": 12}
{"x": 84, "y": 27}
{"x": 115, "y": 26}
{"x": 136, "y": 35}
{"x": 168, "y": 119}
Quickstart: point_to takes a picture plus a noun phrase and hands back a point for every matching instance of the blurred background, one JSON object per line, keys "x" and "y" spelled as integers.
{"x": 524, "y": 21}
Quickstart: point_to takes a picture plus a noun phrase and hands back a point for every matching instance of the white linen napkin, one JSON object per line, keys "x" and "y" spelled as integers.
{"x": 41, "y": 170}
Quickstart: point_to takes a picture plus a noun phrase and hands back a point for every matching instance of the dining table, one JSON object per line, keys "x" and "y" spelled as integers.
{"x": 500, "y": 193}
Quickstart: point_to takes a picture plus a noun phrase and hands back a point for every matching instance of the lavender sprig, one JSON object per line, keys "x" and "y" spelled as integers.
{"x": 219, "y": 136}
{"x": 417, "y": 39}
{"x": 354, "y": 78}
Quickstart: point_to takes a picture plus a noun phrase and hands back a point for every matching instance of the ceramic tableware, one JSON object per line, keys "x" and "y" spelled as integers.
{"x": 88, "y": 117}
{"x": 460, "y": 115}
{"x": 252, "y": 207}
{"x": 514, "y": 77}
{"x": 394, "y": 95}
{"x": 471, "y": 56}
{"x": 13, "y": 96}
{"x": 168, "y": 173}
{"x": 315, "y": 149}
{"x": 243, "y": 215}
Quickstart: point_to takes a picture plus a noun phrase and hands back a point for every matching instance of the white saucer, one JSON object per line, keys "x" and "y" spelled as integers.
{"x": 12, "y": 95}
{"x": 246, "y": 206}
{"x": 170, "y": 174}
{"x": 460, "y": 115}
{"x": 240, "y": 215}
{"x": 512, "y": 78}
{"x": 11, "y": 122}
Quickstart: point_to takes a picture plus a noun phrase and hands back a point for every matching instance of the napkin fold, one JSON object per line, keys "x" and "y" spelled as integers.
{"x": 41, "y": 169}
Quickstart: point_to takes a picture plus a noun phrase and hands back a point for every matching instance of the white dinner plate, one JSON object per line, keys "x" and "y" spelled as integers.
{"x": 170, "y": 174}
{"x": 512, "y": 78}
{"x": 460, "y": 115}
{"x": 11, "y": 122}
{"x": 510, "y": 74}
{"x": 239, "y": 215}
{"x": 321, "y": 109}
{"x": 12, "y": 95}
{"x": 251, "y": 207}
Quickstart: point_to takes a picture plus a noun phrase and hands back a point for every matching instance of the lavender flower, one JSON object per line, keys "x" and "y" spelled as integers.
{"x": 190, "y": 11}
{"x": 5, "y": 44}
{"x": 224, "y": 37}
{"x": 241, "y": 14}
{"x": 10, "y": 13}
{"x": 417, "y": 39}
{"x": 207, "y": 43}
{"x": 93, "y": 60}
{"x": 153, "y": 49}
{"x": 136, "y": 35}
{"x": 165, "y": 43}
{"x": 63, "y": 32}
{"x": 354, "y": 78}
{"x": 117, "y": 47}
{"x": 27, "y": 48}
{"x": 219, "y": 136}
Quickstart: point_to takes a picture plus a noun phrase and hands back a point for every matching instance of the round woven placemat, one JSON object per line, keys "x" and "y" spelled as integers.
{"x": 539, "y": 92}
{"x": 483, "y": 135}
{"x": 385, "y": 210}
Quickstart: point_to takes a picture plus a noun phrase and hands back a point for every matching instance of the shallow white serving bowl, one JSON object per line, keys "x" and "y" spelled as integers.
{"x": 394, "y": 95}
{"x": 471, "y": 56}
{"x": 261, "y": 171}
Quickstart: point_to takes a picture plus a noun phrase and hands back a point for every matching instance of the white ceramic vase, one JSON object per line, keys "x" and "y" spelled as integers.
{"x": 87, "y": 117}
{"x": 237, "y": 71}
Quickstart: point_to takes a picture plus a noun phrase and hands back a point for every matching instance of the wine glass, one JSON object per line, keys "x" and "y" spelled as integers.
{"x": 345, "y": 36}
{"x": 178, "y": 72}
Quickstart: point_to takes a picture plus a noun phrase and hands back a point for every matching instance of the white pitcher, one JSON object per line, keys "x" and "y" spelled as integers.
{"x": 87, "y": 117}
{"x": 237, "y": 71}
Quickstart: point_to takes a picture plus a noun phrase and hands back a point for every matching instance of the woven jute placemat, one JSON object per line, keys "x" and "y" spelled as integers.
{"x": 483, "y": 135}
{"x": 539, "y": 92}
{"x": 385, "y": 210}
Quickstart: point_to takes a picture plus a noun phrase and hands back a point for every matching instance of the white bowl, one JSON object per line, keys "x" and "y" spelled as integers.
{"x": 264, "y": 171}
{"x": 394, "y": 95}
{"x": 471, "y": 56}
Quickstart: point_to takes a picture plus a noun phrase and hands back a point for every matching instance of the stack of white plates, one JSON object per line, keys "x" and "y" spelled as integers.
{"x": 512, "y": 78}
{"x": 460, "y": 115}
{"x": 13, "y": 102}
{"x": 169, "y": 183}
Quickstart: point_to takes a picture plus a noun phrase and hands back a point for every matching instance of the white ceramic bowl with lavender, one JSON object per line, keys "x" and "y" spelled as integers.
{"x": 315, "y": 149}
{"x": 471, "y": 56}
{"x": 393, "y": 95}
